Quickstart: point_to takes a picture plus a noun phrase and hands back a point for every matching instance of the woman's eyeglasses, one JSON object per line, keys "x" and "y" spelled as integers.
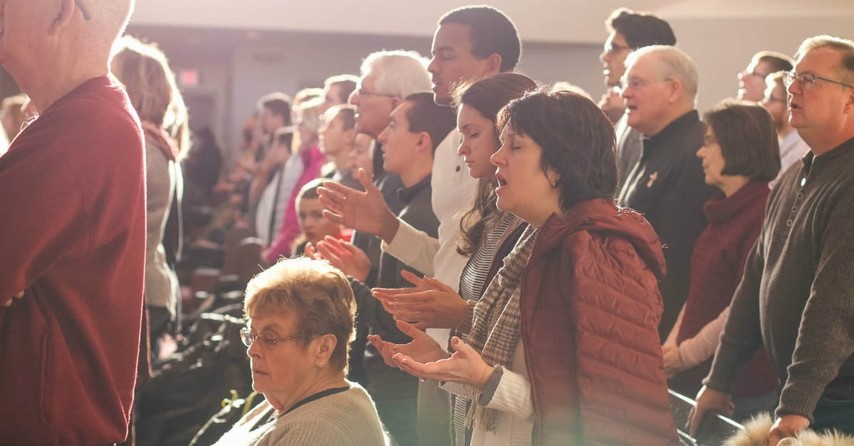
{"x": 267, "y": 339}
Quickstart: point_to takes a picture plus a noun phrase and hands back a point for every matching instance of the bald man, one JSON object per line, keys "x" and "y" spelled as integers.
{"x": 72, "y": 229}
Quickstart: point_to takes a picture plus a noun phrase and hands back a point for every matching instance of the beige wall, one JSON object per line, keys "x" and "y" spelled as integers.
{"x": 721, "y": 47}
{"x": 237, "y": 75}
{"x": 562, "y": 39}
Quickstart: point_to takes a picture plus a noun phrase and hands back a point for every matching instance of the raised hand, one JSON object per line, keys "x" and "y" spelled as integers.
{"x": 422, "y": 346}
{"x": 363, "y": 211}
{"x": 465, "y": 366}
{"x": 344, "y": 256}
{"x": 420, "y": 284}
{"x": 430, "y": 304}
{"x": 311, "y": 252}
{"x": 386, "y": 296}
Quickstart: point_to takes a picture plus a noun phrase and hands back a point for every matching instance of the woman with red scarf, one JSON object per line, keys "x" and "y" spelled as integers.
{"x": 150, "y": 83}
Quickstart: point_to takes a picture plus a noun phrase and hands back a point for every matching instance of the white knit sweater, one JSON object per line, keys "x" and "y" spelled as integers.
{"x": 347, "y": 418}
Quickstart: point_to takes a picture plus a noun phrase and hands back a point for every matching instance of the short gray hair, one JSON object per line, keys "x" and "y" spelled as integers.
{"x": 844, "y": 47}
{"x": 317, "y": 294}
{"x": 398, "y": 73}
{"x": 673, "y": 63}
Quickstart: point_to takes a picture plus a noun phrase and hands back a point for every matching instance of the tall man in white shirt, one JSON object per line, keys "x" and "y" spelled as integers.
{"x": 627, "y": 31}
{"x": 470, "y": 43}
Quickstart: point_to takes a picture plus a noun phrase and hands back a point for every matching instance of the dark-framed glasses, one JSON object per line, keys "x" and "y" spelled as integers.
{"x": 808, "y": 80}
{"x": 83, "y": 10}
{"x": 267, "y": 339}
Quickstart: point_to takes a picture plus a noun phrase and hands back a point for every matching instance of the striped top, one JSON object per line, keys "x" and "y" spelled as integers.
{"x": 472, "y": 283}
{"x": 473, "y": 277}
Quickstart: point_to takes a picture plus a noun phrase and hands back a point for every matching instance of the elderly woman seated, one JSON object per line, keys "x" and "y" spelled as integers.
{"x": 300, "y": 314}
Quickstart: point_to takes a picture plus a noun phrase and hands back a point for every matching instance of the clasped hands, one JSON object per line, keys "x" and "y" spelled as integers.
{"x": 9, "y": 302}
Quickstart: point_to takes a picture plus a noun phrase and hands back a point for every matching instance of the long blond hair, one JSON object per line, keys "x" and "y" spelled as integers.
{"x": 144, "y": 71}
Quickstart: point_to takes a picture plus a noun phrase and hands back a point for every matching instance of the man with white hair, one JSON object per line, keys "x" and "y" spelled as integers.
{"x": 667, "y": 183}
{"x": 470, "y": 43}
{"x": 387, "y": 77}
{"x": 797, "y": 293}
{"x": 72, "y": 229}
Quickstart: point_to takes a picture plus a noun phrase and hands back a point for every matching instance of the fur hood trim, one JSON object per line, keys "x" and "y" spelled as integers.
{"x": 756, "y": 432}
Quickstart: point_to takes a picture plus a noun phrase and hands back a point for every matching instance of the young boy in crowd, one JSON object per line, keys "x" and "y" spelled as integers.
{"x": 416, "y": 127}
{"x": 312, "y": 224}
{"x": 337, "y": 138}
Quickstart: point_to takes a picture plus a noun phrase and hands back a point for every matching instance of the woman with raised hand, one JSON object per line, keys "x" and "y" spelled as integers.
{"x": 564, "y": 347}
{"x": 487, "y": 233}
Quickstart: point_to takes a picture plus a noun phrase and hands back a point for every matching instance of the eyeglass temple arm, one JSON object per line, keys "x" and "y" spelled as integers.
{"x": 83, "y": 10}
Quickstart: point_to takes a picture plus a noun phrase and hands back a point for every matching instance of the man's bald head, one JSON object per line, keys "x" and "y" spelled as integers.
{"x": 107, "y": 20}
{"x": 51, "y": 46}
